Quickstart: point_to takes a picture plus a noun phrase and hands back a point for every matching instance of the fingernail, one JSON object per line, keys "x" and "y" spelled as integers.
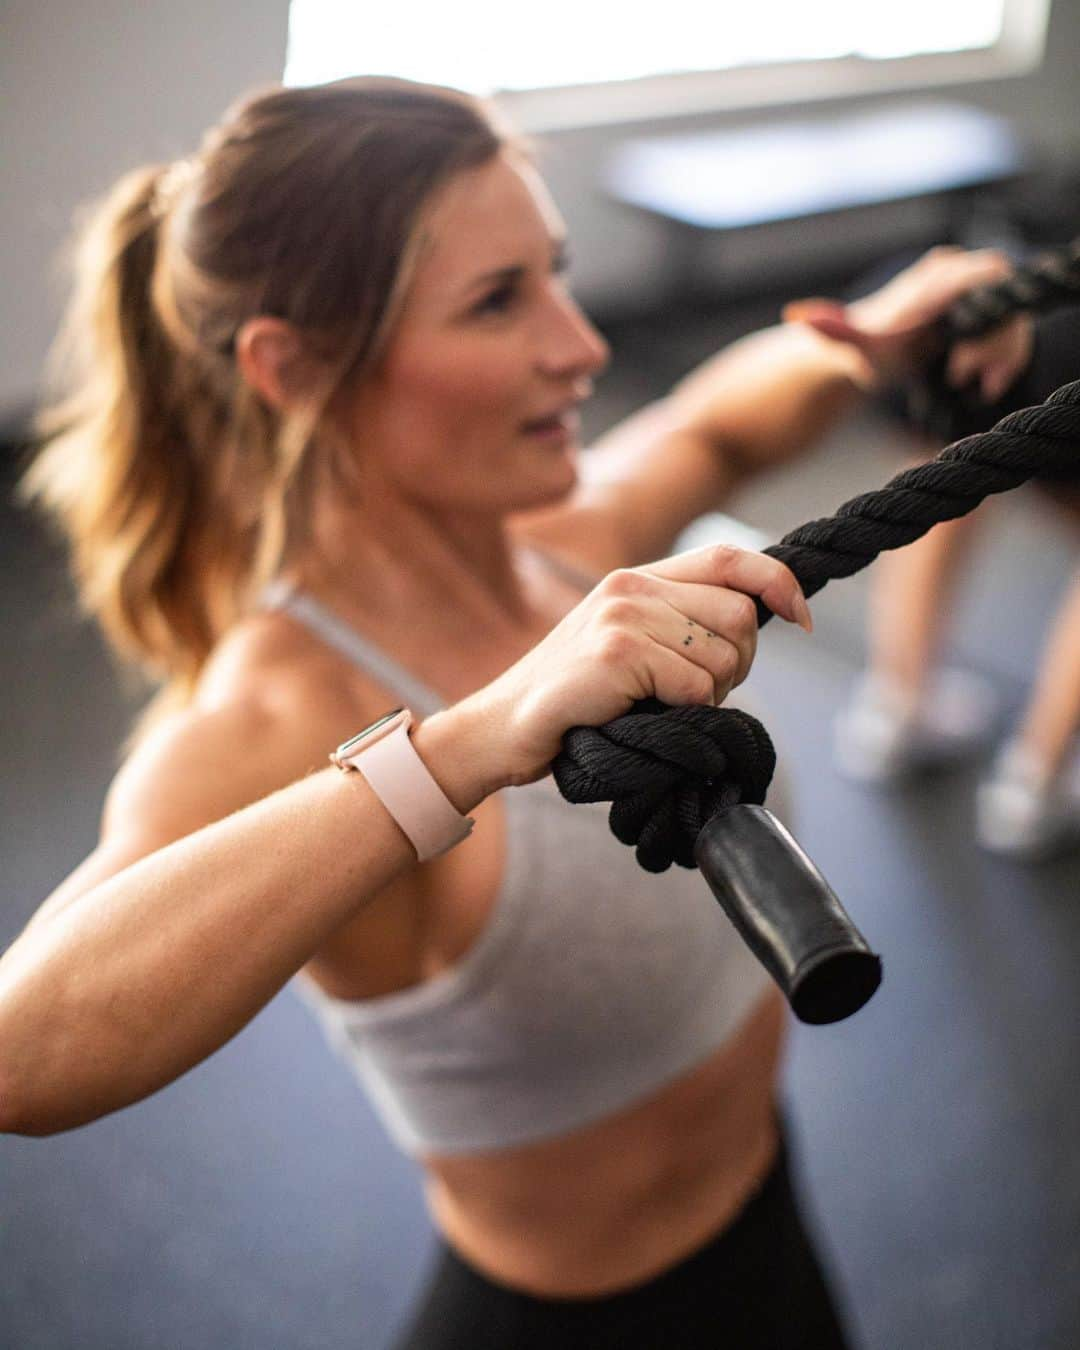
{"x": 801, "y": 610}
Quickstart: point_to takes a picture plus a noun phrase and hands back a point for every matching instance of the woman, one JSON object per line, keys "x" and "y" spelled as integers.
{"x": 322, "y": 461}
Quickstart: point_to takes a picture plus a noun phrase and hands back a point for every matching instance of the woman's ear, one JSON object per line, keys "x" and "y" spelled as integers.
{"x": 272, "y": 360}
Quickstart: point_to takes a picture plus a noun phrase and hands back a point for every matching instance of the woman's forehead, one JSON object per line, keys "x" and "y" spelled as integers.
{"x": 494, "y": 216}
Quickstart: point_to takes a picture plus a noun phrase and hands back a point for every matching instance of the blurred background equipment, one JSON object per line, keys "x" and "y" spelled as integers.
{"x": 811, "y": 169}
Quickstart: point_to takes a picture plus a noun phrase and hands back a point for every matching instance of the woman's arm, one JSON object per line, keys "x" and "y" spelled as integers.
{"x": 770, "y": 396}
{"x": 763, "y": 400}
{"x": 125, "y": 981}
{"x": 755, "y": 405}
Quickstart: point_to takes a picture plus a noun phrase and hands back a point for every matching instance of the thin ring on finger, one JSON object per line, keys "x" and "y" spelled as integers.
{"x": 703, "y": 647}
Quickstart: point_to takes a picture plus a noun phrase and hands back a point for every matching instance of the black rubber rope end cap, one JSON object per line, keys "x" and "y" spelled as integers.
{"x": 787, "y": 913}
{"x": 833, "y": 985}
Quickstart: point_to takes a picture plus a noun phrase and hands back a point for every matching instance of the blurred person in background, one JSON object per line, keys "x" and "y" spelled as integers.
{"x": 910, "y": 713}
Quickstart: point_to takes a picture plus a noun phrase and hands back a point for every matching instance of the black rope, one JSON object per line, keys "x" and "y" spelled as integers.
{"x": 667, "y": 770}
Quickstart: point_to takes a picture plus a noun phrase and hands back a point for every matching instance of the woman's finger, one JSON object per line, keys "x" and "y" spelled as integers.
{"x": 738, "y": 569}
{"x": 727, "y": 654}
{"x": 679, "y": 681}
{"x": 710, "y": 625}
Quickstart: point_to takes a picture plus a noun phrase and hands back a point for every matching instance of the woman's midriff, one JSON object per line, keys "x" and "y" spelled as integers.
{"x": 618, "y": 1202}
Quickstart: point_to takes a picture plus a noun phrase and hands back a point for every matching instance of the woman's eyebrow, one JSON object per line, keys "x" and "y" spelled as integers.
{"x": 503, "y": 275}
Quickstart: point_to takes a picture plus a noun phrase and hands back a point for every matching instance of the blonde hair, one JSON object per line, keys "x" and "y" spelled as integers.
{"x": 176, "y": 487}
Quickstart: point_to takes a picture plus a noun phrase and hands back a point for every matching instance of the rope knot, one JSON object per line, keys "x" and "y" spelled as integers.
{"x": 666, "y": 771}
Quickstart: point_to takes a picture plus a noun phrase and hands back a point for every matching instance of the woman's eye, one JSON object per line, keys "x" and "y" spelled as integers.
{"x": 497, "y": 301}
{"x": 500, "y": 300}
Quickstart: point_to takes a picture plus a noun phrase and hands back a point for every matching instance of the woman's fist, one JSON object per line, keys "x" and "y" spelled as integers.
{"x": 683, "y": 630}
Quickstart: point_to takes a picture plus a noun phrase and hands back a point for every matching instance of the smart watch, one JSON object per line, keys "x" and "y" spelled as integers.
{"x": 387, "y": 758}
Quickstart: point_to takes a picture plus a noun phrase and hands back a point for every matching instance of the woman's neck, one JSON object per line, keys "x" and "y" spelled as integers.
{"x": 456, "y": 569}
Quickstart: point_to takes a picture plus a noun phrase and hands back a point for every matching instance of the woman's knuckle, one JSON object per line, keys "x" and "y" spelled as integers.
{"x": 721, "y": 556}
{"x": 623, "y": 581}
{"x": 615, "y": 646}
{"x": 617, "y": 611}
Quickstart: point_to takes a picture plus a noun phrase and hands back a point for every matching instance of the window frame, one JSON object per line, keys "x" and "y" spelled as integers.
{"x": 1018, "y": 51}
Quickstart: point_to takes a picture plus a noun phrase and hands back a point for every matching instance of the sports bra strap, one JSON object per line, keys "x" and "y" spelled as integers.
{"x": 420, "y": 697}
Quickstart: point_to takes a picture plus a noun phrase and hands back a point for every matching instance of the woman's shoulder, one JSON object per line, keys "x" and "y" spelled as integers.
{"x": 267, "y": 711}
{"x": 260, "y": 660}
{"x": 270, "y": 664}
{"x": 267, "y": 718}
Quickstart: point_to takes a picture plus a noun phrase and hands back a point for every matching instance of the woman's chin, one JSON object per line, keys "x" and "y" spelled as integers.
{"x": 564, "y": 475}
{"x": 554, "y": 489}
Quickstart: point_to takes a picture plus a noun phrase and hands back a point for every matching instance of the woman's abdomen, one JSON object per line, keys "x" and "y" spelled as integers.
{"x": 617, "y": 1201}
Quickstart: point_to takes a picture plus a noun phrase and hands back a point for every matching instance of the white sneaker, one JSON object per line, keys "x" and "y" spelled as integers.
{"x": 1021, "y": 815}
{"x": 880, "y": 737}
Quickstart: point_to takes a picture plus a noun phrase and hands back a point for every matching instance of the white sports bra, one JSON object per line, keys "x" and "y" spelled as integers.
{"x": 592, "y": 984}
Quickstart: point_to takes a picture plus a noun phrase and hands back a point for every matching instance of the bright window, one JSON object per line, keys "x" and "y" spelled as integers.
{"x": 566, "y": 44}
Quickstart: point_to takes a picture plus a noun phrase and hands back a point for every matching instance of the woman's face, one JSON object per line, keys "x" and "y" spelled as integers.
{"x": 474, "y": 404}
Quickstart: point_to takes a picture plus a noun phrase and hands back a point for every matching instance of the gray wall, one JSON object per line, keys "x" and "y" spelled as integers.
{"x": 88, "y": 90}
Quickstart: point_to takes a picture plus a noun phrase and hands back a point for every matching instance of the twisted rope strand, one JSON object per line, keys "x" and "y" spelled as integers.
{"x": 1044, "y": 440}
{"x": 667, "y": 770}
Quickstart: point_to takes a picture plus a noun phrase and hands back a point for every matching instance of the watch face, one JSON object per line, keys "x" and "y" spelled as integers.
{"x": 374, "y": 732}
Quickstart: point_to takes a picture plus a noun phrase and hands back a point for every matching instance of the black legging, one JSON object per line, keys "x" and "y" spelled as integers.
{"x": 757, "y": 1286}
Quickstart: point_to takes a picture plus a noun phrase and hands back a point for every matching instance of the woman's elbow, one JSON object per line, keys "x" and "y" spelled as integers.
{"x": 30, "y": 1105}
{"x": 20, "y": 1117}
{"x": 13, "y": 1117}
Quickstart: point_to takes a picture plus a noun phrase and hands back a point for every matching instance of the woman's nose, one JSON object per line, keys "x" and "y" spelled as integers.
{"x": 572, "y": 345}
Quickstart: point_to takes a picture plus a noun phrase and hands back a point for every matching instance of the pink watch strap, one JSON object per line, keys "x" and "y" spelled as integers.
{"x": 403, "y": 783}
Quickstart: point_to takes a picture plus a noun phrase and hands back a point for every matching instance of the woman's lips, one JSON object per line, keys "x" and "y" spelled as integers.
{"x": 560, "y": 427}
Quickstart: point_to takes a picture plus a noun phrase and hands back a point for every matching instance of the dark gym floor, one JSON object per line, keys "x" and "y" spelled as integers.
{"x": 257, "y": 1205}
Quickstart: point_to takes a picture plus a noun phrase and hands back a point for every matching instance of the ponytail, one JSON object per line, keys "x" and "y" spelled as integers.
{"x": 131, "y": 455}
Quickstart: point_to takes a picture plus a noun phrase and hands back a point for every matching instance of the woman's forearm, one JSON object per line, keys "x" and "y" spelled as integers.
{"x": 154, "y": 969}
{"x": 769, "y": 396}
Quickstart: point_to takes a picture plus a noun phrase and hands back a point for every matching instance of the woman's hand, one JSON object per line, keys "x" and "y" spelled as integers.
{"x": 894, "y": 329}
{"x": 683, "y": 630}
